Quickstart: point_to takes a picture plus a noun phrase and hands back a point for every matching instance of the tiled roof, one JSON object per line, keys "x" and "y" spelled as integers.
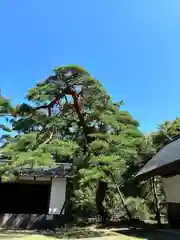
{"x": 60, "y": 170}
{"x": 57, "y": 170}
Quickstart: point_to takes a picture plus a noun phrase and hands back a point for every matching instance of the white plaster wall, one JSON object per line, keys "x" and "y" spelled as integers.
{"x": 58, "y": 194}
{"x": 172, "y": 188}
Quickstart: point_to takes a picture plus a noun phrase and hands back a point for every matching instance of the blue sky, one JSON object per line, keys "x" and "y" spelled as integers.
{"x": 132, "y": 47}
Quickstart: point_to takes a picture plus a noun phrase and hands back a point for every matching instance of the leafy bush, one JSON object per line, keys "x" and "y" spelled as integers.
{"x": 138, "y": 208}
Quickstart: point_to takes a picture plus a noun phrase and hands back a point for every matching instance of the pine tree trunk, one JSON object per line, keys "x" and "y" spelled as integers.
{"x": 100, "y": 196}
{"x": 101, "y": 186}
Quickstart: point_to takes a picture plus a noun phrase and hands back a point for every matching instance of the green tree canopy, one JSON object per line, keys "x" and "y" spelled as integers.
{"x": 70, "y": 117}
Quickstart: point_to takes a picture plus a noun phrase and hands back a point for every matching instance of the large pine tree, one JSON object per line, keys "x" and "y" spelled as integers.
{"x": 70, "y": 117}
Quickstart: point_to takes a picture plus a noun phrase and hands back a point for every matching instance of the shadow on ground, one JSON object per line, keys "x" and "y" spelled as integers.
{"x": 150, "y": 235}
{"x": 74, "y": 233}
{"x": 140, "y": 230}
{"x": 79, "y": 233}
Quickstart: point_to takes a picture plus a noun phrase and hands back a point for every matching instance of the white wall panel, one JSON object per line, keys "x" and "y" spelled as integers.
{"x": 58, "y": 194}
{"x": 172, "y": 188}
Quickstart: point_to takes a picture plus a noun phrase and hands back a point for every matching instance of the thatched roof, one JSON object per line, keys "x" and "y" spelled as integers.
{"x": 165, "y": 162}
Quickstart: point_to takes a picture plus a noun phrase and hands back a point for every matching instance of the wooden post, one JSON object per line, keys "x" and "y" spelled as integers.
{"x": 153, "y": 186}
